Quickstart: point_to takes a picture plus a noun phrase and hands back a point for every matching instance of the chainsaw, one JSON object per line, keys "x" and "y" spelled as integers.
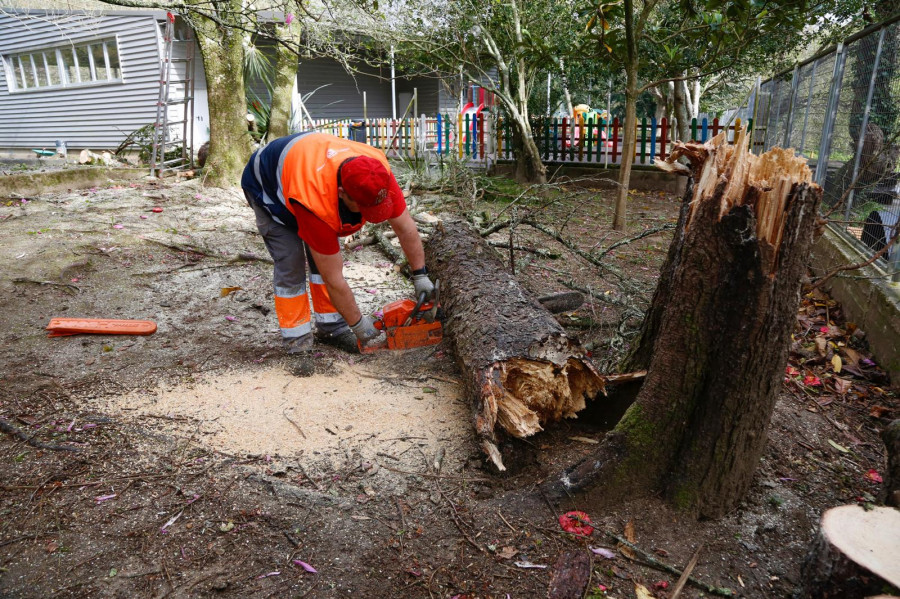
{"x": 409, "y": 324}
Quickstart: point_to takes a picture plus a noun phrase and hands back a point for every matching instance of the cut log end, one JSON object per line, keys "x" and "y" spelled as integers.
{"x": 855, "y": 553}
{"x": 531, "y": 393}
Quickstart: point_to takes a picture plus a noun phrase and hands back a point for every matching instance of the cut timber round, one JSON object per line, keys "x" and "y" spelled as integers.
{"x": 520, "y": 368}
{"x": 855, "y": 555}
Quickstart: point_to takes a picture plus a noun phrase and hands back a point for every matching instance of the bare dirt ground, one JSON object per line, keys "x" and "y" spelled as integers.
{"x": 193, "y": 463}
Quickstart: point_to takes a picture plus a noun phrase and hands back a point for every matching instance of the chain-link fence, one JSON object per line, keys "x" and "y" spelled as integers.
{"x": 841, "y": 111}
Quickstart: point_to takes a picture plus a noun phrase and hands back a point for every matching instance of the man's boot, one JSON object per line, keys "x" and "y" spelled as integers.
{"x": 301, "y": 360}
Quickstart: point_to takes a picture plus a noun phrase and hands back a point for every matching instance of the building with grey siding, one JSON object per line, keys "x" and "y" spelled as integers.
{"x": 86, "y": 78}
{"x": 89, "y": 78}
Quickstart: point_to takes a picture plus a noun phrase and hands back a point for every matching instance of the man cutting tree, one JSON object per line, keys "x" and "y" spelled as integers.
{"x": 307, "y": 190}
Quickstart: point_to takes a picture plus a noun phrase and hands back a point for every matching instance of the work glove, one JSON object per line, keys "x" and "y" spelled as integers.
{"x": 423, "y": 285}
{"x": 365, "y": 330}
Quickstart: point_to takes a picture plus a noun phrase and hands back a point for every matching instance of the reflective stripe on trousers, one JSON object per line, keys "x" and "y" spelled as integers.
{"x": 291, "y": 257}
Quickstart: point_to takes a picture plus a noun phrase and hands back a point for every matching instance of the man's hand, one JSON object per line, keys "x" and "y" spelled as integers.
{"x": 423, "y": 285}
{"x": 365, "y": 330}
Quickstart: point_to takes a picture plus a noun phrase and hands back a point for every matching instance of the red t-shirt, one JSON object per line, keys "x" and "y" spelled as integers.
{"x": 318, "y": 235}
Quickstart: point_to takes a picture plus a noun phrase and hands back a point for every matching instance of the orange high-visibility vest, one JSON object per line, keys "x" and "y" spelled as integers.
{"x": 309, "y": 173}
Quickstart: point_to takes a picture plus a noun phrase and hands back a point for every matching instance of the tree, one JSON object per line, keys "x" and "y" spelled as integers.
{"x": 660, "y": 41}
{"x": 502, "y": 46}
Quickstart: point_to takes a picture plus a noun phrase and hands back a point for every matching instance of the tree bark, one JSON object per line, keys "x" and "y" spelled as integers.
{"x": 682, "y": 111}
{"x": 222, "y": 51}
{"x": 286, "y": 65}
{"x": 854, "y": 555}
{"x": 720, "y": 337}
{"x": 629, "y": 136}
{"x": 891, "y": 438}
{"x": 521, "y": 370}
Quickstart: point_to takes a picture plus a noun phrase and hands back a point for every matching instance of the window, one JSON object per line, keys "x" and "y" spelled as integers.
{"x": 66, "y": 66}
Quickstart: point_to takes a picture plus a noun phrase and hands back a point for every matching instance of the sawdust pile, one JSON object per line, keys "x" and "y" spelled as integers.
{"x": 270, "y": 412}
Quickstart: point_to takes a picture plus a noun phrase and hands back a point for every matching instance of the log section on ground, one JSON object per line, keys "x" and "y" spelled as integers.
{"x": 520, "y": 368}
{"x": 856, "y": 554}
{"x": 718, "y": 331}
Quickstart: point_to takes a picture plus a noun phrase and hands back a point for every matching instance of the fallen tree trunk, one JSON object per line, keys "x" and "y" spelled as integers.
{"x": 521, "y": 370}
{"x": 856, "y": 554}
{"x": 718, "y": 334}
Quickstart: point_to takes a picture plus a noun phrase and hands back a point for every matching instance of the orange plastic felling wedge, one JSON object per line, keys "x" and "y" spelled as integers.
{"x": 60, "y": 327}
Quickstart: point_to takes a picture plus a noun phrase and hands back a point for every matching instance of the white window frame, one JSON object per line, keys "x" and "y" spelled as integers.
{"x": 25, "y": 58}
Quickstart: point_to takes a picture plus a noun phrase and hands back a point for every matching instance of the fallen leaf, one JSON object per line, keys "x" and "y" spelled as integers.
{"x": 840, "y": 448}
{"x": 629, "y": 531}
{"x": 626, "y": 551}
{"x": 842, "y": 385}
{"x": 429, "y": 390}
{"x": 877, "y": 411}
{"x": 852, "y": 356}
{"x": 836, "y": 363}
{"x": 507, "y": 552}
{"x": 227, "y": 527}
{"x": 821, "y": 345}
{"x": 641, "y": 592}
{"x": 225, "y": 291}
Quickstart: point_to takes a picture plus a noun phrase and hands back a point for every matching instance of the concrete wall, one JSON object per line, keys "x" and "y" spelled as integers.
{"x": 872, "y": 303}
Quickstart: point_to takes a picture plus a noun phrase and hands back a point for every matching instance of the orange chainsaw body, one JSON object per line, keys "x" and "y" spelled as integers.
{"x": 418, "y": 332}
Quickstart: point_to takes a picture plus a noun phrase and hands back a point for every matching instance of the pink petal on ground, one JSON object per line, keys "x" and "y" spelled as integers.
{"x": 230, "y": 318}
{"x": 267, "y": 575}
{"x": 305, "y": 566}
{"x": 873, "y": 476}
{"x": 104, "y": 497}
{"x": 118, "y": 226}
{"x": 603, "y": 552}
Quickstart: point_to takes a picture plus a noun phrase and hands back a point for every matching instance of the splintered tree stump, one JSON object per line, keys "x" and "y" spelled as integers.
{"x": 521, "y": 370}
{"x": 716, "y": 337}
{"x": 856, "y": 554}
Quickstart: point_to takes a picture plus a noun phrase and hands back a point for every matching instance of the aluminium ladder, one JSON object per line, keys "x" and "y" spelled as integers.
{"x": 174, "y": 71}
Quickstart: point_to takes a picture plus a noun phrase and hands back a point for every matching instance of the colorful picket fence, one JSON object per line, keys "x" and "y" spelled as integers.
{"x": 473, "y": 137}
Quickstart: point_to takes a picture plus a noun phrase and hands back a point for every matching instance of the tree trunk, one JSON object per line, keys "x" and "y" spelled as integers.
{"x": 520, "y": 368}
{"x": 229, "y": 141}
{"x": 629, "y": 139}
{"x": 565, "y": 88}
{"x": 856, "y": 554}
{"x": 286, "y": 65}
{"x": 891, "y": 438}
{"x": 529, "y": 166}
{"x": 697, "y": 428}
{"x": 682, "y": 111}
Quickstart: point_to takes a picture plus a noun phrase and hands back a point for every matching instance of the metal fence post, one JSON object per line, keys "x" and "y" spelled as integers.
{"x": 828, "y": 128}
{"x": 795, "y": 76}
{"x": 865, "y": 122}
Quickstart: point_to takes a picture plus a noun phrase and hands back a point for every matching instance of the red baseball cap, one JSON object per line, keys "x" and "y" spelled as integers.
{"x": 372, "y": 187}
